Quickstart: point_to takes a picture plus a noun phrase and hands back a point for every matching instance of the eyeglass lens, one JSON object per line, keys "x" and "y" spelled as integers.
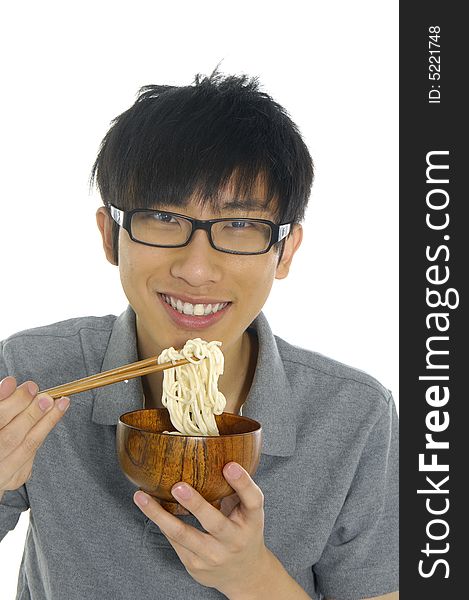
{"x": 165, "y": 229}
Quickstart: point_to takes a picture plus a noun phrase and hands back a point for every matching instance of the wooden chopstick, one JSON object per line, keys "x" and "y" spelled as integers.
{"x": 140, "y": 364}
{"x": 136, "y": 369}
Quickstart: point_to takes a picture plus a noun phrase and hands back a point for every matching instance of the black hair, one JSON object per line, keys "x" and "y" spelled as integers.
{"x": 177, "y": 143}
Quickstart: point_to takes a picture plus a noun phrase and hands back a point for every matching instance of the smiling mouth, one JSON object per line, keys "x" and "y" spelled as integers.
{"x": 198, "y": 310}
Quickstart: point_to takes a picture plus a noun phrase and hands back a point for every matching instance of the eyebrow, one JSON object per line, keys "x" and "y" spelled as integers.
{"x": 244, "y": 205}
{"x": 236, "y": 204}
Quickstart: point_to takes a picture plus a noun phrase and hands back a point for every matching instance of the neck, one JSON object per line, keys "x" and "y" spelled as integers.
{"x": 235, "y": 383}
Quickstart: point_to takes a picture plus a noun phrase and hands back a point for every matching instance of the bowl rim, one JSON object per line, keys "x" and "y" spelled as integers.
{"x": 181, "y": 435}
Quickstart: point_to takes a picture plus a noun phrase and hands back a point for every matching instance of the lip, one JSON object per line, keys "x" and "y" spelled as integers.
{"x": 191, "y": 321}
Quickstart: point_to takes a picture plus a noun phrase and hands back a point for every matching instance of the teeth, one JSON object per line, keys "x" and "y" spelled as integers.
{"x": 188, "y": 309}
{"x": 199, "y": 309}
{"x": 194, "y": 309}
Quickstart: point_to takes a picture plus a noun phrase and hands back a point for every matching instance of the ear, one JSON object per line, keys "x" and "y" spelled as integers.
{"x": 104, "y": 222}
{"x": 292, "y": 243}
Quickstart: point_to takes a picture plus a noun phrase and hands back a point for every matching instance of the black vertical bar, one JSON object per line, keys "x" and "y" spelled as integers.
{"x": 433, "y": 262}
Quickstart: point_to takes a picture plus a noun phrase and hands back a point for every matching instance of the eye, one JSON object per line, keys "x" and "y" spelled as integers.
{"x": 162, "y": 217}
{"x": 240, "y": 224}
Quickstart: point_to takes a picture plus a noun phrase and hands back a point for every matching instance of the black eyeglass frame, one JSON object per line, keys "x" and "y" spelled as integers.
{"x": 124, "y": 218}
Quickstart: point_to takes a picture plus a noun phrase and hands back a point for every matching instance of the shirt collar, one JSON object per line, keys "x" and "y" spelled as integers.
{"x": 269, "y": 400}
{"x": 111, "y": 401}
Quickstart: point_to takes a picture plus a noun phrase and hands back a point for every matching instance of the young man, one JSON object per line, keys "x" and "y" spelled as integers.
{"x": 204, "y": 188}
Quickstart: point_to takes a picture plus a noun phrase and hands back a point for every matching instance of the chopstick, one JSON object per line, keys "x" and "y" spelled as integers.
{"x": 136, "y": 369}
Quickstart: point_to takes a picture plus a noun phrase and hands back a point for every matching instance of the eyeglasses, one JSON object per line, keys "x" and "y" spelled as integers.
{"x": 170, "y": 230}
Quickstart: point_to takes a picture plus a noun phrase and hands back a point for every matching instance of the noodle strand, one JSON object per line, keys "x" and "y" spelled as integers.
{"x": 190, "y": 392}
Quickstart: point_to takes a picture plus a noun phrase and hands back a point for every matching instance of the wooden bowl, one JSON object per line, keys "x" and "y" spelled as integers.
{"x": 155, "y": 461}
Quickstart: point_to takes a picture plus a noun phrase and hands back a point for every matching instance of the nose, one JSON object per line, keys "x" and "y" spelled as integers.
{"x": 197, "y": 263}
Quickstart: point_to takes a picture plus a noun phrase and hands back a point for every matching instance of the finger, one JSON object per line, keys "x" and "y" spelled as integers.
{"x": 14, "y": 399}
{"x": 19, "y": 477}
{"x": 7, "y": 387}
{"x": 36, "y": 435}
{"x": 187, "y": 557}
{"x": 211, "y": 519}
{"x": 15, "y": 432}
{"x": 173, "y": 528}
{"x": 250, "y": 495}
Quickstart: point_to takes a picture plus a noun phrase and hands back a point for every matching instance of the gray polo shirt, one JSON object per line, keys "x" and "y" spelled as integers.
{"x": 328, "y": 471}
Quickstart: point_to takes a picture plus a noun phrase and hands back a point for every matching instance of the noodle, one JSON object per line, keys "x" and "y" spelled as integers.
{"x": 190, "y": 392}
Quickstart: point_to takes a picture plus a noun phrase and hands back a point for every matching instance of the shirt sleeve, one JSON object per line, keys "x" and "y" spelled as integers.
{"x": 13, "y": 503}
{"x": 360, "y": 559}
{"x": 11, "y": 506}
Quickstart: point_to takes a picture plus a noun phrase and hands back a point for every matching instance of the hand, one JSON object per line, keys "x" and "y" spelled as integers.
{"x": 231, "y": 556}
{"x": 25, "y": 422}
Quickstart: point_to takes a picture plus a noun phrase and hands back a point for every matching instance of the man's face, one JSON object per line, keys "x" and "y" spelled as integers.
{"x": 155, "y": 278}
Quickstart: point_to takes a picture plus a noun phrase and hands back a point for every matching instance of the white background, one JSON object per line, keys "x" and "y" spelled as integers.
{"x": 71, "y": 68}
